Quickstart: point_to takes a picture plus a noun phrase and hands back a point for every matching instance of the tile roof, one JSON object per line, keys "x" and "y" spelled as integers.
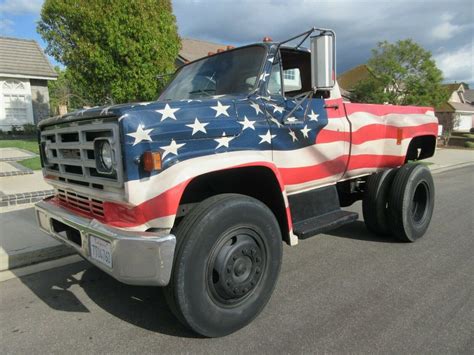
{"x": 351, "y": 77}
{"x": 469, "y": 96}
{"x": 462, "y": 107}
{"x": 193, "y": 49}
{"x": 24, "y": 57}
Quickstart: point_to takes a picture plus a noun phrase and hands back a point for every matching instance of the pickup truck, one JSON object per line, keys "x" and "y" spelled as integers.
{"x": 244, "y": 149}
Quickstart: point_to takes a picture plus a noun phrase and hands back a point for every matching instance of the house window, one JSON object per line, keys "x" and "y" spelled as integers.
{"x": 289, "y": 74}
{"x": 15, "y": 103}
{"x": 16, "y": 107}
{"x": 13, "y": 85}
{"x": 292, "y": 79}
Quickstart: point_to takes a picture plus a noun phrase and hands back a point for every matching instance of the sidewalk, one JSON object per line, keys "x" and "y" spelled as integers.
{"x": 18, "y": 184}
{"x": 22, "y": 243}
{"x": 445, "y": 158}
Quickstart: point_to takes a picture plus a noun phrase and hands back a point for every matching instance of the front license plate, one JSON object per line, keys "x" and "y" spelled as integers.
{"x": 101, "y": 251}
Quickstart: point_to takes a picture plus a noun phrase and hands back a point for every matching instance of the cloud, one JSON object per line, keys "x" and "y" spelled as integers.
{"x": 437, "y": 25}
{"x": 20, "y": 7}
{"x": 445, "y": 30}
{"x": 457, "y": 65}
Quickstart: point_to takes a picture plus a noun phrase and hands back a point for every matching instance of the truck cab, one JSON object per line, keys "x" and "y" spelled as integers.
{"x": 244, "y": 149}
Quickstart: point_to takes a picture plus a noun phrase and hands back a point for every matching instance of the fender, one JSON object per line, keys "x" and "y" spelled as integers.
{"x": 155, "y": 200}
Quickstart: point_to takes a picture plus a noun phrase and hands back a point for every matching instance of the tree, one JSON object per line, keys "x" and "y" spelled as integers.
{"x": 113, "y": 49}
{"x": 402, "y": 73}
{"x": 64, "y": 92}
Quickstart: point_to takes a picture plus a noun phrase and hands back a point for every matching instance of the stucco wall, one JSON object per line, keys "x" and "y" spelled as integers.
{"x": 39, "y": 99}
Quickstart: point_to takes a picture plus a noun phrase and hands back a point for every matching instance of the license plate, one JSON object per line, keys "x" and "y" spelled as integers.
{"x": 101, "y": 250}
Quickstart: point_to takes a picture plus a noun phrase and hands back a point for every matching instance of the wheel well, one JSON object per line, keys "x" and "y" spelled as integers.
{"x": 421, "y": 147}
{"x": 257, "y": 182}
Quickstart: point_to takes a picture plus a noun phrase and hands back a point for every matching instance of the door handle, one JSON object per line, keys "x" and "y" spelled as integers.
{"x": 335, "y": 106}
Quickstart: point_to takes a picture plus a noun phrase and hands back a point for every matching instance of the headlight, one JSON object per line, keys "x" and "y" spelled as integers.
{"x": 104, "y": 156}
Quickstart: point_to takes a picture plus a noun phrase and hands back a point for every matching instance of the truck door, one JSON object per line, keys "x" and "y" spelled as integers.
{"x": 311, "y": 143}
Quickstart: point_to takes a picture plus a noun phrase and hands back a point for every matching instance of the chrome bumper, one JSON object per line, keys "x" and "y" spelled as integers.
{"x": 138, "y": 258}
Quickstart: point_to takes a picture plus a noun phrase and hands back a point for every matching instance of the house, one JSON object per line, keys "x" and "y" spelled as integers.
{"x": 192, "y": 49}
{"x": 24, "y": 75}
{"x": 459, "y": 109}
{"x": 350, "y": 78}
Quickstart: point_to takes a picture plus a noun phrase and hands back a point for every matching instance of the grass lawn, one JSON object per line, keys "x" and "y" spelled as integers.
{"x": 32, "y": 163}
{"x": 27, "y": 144}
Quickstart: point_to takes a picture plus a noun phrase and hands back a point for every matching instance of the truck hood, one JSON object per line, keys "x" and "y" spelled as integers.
{"x": 122, "y": 110}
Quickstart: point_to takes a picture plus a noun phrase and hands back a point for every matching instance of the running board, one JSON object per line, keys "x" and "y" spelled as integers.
{"x": 315, "y": 225}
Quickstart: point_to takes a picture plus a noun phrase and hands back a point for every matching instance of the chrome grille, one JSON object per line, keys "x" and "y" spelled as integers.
{"x": 81, "y": 202}
{"x": 68, "y": 153}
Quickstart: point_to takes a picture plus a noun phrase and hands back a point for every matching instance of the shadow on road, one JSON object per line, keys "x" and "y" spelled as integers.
{"x": 358, "y": 231}
{"x": 144, "y": 307}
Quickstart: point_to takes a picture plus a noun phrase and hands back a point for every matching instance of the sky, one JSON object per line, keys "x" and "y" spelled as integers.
{"x": 445, "y": 27}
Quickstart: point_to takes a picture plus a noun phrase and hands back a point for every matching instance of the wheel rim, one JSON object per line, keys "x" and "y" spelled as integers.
{"x": 420, "y": 203}
{"x": 236, "y": 266}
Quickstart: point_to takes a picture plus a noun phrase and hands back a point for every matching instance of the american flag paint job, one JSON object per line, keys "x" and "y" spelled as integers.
{"x": 335, "y": 141}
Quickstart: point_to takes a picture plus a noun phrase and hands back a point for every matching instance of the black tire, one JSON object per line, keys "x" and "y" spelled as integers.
{"x": 411, "y": 202}
{"x": 375, "y": 201}
{"x": 227, "y": 261}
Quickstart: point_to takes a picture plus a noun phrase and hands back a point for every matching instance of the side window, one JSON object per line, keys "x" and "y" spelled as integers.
{"x": 292, "y": 80}
{"x": 274, "y": 84}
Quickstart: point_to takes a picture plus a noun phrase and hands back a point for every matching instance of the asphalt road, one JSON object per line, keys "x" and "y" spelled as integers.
{"x": 346, "y": 291}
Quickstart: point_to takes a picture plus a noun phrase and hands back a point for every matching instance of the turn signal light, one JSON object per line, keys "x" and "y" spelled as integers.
{"x": 151, "y": 161}
{"x": 267, "y": 39}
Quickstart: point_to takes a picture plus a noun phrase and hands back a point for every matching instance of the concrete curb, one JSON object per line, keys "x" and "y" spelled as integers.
{"x": 22, "y": 198}
{"x": 21, "y": 170}
{"x": 34, "y": 256}
{"x": 442, "y": 169}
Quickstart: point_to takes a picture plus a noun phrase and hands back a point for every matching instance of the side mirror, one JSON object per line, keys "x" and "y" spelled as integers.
{"x": 323, "y": 61}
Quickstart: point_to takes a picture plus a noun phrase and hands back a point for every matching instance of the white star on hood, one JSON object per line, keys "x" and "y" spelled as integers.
{"x": 293, "y": 135}
{"x": 267, "y": 138}
{"x": 246, "y": 123}
{"x": 313, "y": 116}
{"x": 221, "y": 109}
{"x": 197, "y": 126}
{"x": 223, "y": 141}
{"x": 167, "y": 112}
{"x": 257, "y": 108}
{"x": 140, "y": 135}
{"x": 277, "y": 108}
{"x": 171, "y": 149}
{"x": 305, "y": 131}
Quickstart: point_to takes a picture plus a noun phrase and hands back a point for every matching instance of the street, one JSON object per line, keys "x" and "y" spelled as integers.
{"x": 346, "y": 291}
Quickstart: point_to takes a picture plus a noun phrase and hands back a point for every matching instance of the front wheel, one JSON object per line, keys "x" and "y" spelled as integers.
{"x": 227, "y": 262}
{"x": 411, "y": 202}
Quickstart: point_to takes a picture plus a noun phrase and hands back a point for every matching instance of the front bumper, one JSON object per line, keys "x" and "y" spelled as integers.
{"x": 137, "y": 258}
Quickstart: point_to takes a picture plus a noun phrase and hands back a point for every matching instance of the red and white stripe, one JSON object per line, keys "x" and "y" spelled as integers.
{"x": 378, "y": 137}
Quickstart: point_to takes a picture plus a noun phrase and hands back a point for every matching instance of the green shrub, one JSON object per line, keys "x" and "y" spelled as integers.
{"x": 469, "y": 144}
{"x": 469, "y": 136}
{"x": 29, "y": 129}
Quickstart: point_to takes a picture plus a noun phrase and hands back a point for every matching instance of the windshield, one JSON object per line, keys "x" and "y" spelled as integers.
{"x": 233, "y": 72}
